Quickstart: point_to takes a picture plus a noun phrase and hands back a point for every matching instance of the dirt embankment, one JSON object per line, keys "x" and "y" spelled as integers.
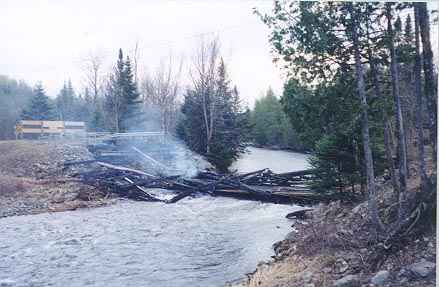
{"x": 333, "y": 246}
{"x": 32, "y": 180}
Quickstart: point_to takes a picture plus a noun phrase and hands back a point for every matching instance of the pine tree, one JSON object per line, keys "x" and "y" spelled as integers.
{"x": 122, "y": 99}
{"x": 65, "y": 103}
{"x": 40, "y": 106}
{"x": 131, "y": 99}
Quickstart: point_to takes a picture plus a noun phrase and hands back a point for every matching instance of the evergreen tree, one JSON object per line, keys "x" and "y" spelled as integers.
{"x": 122, "y": 100}
{"x": 131, "y": 100}
{"x": 14, "y": 96}
{"x": 40, "y": 106}
{"x": 65, "y": 103}
{"x": 270, "y": 125}
{"x": 214, "y": 107}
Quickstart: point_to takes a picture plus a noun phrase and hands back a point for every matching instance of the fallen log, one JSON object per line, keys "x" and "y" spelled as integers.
{"x": 72, "y": 163}
{"x": 145, "y": 194}
{"x": 127, "y": 169}
{"x": 298, "y": 214}
{"x": 297, "y": 173}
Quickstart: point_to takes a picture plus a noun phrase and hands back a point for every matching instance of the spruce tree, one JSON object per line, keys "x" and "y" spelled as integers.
{"x": 122, "y": 99}
{"x": 40, "y": 106}
{"x": 131, "y": 99}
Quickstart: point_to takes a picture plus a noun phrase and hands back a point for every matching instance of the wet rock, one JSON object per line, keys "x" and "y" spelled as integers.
{"x": 348, "y": 281}
{"x": 307, "y": 277}
{"x": 341, "y": 266}
{"x": 421, "y": 269}
{"x": 380, "y": 278}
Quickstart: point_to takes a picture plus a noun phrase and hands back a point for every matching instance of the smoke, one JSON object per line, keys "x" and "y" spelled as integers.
{"x": 158, "y": 152}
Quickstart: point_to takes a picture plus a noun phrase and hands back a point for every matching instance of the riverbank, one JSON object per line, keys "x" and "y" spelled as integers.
{"x": 333, "y": 247}
{"x": 32, "y": 180}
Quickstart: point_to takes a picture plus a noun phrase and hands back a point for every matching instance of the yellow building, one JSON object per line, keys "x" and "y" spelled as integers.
{"x": 36, "y": 129}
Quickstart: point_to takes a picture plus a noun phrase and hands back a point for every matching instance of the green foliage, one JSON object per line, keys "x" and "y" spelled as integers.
{"x": 71, "y": 107}
{"x": 40, "y": 107}
{"x": 313, "y": 41}
{"x": 221, "y": 104}
{"x": 14, "y": 96}
{"x": 270, "y": 125}
{"x": 327, "y": 121}
{"x": 122, "y": 100}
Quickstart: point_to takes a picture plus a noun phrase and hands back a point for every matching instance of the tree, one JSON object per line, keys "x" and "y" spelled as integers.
{"x": 320, "y": 43}
{"x": 122, "y": 100}
{"x": 66, "y": 102}
{"x": 14, "y": 96}
{"x": 40, "y": 107}
{"x": 402, "y": 152}
{"x": 212, "y": 123}
{"x": 361, "y": 92}
{"x": 160, "y": 91}
{"x": 270, "y": 125}
{"x": 430, "y": 76}
{"x": 417, "y": 71}
{"x": 92, "y": 67}
{"x": 131, "y": 100}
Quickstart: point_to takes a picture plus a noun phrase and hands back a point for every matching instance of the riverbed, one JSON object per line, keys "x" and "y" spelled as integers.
{"x": 201, "y": 241}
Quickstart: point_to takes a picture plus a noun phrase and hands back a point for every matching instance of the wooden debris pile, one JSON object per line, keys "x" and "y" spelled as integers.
{"x": 263, "y": 185}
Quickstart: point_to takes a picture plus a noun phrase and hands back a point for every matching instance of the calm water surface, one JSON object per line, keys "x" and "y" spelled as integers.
{"x": 200, "y": 241}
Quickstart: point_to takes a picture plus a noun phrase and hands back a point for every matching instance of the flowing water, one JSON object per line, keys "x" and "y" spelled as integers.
{"x": 200, "y": 241}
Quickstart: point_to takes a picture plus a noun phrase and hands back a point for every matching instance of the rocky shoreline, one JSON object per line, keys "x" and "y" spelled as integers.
{"x": 32, "y": 180}
{"x": 332, "y": 246}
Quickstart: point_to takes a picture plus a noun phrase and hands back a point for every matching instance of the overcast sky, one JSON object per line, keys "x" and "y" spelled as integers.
{"x": 45, "y": 40}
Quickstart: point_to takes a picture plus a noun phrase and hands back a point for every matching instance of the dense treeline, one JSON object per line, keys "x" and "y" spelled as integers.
{"x": 362, "y": 93}
{"x": 14, "y": 96}
{"x": 270, "y": 126}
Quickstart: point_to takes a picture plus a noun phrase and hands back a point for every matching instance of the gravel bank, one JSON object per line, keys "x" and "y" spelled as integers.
{"x": 32, "y": 180}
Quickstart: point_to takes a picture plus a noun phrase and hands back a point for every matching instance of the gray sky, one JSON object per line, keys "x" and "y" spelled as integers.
{"x": 45, "y": 40}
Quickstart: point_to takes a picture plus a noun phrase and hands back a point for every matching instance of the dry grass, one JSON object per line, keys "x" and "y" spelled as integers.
{"x": 10, "y": 185}
{"x": 31, "y": 181}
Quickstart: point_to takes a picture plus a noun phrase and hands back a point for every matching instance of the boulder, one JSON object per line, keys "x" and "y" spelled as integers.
{"x": 422, "y": 269}
{"x": 307, "y": 276}
{"x": 348, "y": 281}
{"x": 380, "y": 278}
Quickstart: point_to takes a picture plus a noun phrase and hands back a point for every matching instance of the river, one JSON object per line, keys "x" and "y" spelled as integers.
{"x": 199, "y": 241}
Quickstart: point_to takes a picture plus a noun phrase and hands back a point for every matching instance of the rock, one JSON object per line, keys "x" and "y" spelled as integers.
{"x": 340, "y": 266}
{"x": 291, "y": 235}
{"x": 421, "y": 269}
{"x": 380, "y": 278}
{"x": 298, "y": 214}
{"x": 348, "y": 281}
{"x": 307, "y": 277}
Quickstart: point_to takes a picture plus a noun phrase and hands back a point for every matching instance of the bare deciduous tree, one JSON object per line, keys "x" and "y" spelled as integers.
{"x": 160, "y": 91}
{"x": 203, "y": 77}
{"x": 92, "y": 67}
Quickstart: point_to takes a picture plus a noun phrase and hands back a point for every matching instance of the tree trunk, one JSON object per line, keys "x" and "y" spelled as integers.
{"x": 386, "y": 124}
{"x": 430, "y": 79}
{"x": 402, "y": 152}
{"x": 359, "y": 79}
{"x": 418, "y": 95}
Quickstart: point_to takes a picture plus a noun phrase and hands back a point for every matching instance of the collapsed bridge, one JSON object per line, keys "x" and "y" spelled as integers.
{"x": 113, "y": 175}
